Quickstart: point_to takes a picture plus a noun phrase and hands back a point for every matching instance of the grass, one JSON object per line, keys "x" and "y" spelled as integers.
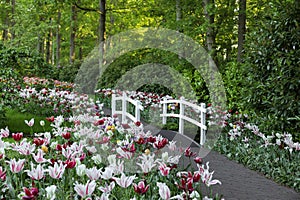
{"x": 16, "y": 122}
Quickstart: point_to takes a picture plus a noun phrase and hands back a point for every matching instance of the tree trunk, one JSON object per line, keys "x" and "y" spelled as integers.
{"x": 102, "y": 4}
{"x": 102, "y": 20}
{"x": 228, "y": 50}
{"x": 48, "y": 44}
{"x": 5, "y": 29}
{"x": 58, "y": 39}
{"x": 210, "y": 33}
{"x": 178, "y": 14}
{"x": 13, "y": 7}
{"x": 80, "y": 52}
{"x": 241, "y": 29}
{"x": 178, "y": 26}
{"x": 6, "y": 23}
{"x": 40, "y": 44}
{"x": 73, "y": 33}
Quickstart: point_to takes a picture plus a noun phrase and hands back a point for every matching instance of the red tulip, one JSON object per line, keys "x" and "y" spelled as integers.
{"x": 66, "y": 135}
{"x": 58, "y": 147}
{"x": 151, "y": 139}
{"x": 161, "y": 144}
{"x": 50, "y": 119}
{"x": 31, "y": 194}
{"x": 70, "y": 164}
{"x": 17, "y": 136}
{"x": 198, "y": 160}
{"x": 140, "y": 188}
{"x": 38, "y": 141}
{"x": 189, "y": 153}
{"x": 141, "y": 141}
{"x": 138, "y": 123}
{"x": 130, "y": 149}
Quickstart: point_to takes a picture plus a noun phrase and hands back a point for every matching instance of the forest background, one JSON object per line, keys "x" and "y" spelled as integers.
{"x": 255, "y": 45}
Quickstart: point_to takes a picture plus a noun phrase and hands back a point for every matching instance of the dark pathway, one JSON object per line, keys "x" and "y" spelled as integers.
{"x": 239, "y": 182}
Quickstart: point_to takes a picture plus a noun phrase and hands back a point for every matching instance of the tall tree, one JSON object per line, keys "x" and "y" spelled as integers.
{"x": 48, "y": 43}
{"x": 102, "y": 5}
{"x": 178, "y": 13}
{"x": 208, "y": 6}
{"x": 5, "y": 20}
{"x": 73, "y": 33}
{"x": 241, "y": 29}
{"x": 58, "y": 38}
{"x": 13, "y": 8}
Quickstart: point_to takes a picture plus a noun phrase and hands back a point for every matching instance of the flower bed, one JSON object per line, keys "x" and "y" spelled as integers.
{"x": 88, "y": 156}
{"x": 96, "y": 158}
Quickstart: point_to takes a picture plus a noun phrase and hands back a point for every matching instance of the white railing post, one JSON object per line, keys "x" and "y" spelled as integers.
{"x": 113, "y": 104}
{"x": 165, "y": 106}
{"x": 181, "y": 115}
{"x": 203, "y": 122}
{"x": 137, "y": 111}
{"x": 124, "y": 107}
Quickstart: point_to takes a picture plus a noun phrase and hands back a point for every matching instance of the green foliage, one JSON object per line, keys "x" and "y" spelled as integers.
{"x": 67, "y": 73}
{"x": 8, "y": 81}
{"x": 24, "y": 61}
{"x": 3, "y": 119}
{"x": 233, "y": 81}
{"x": 128, "y": 61}
{"x": 272, "y": 70}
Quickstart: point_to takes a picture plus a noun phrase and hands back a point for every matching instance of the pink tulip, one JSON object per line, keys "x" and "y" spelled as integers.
{"x": 107, "y": 188}
{"x": 36, "y": 173}
{"x": 15, "y": 166}
{"x": 164, "y": 191}
{"x": 39, "y": 157}
{"x": 164, "y": 170}
{"x": 2, "y": 174}
{"x": 124, "y": 181}
{"x": 93, "y": 173}
{"x": 206, "y": 176}
{"x": 24, "y": 148}
{"x": 30, "y": 123}
{"x": 57, "y": 171}
{"x": 85, "y": 190}
{"x": 4, "y": 132}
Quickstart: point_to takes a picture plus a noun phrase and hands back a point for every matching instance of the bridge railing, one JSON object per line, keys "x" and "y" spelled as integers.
{"x": 201, "y": 123}
{"x": 124, "y": 111}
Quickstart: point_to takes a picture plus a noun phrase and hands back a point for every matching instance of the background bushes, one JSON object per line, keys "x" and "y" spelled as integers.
{"x": 272, "y": 71}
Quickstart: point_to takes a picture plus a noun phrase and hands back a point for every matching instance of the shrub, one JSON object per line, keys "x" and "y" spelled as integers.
{"x": 272, "y": 70}
{"x": 24, "y": 61}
